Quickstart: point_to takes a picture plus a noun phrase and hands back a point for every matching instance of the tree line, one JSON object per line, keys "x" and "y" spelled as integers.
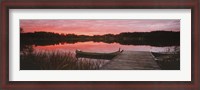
{"x": 154, "y": 38}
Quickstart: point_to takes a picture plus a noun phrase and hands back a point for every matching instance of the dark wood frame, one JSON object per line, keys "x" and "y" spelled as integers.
{"x": 99, "y": 4}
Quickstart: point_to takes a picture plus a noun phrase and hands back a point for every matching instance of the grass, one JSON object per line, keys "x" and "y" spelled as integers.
{"x": 56, "y": 61}
{"x": 168, "y": 61}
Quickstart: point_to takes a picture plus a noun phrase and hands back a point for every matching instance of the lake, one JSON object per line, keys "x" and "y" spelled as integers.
{"x": 91, "y": 46}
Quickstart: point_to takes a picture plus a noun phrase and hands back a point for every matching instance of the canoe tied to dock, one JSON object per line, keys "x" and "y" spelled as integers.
{"x": 96, "y": 55}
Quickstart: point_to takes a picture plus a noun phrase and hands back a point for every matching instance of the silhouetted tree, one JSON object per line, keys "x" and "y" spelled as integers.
{"x": 155, "y": 38}
{"x": 21, "y": 30}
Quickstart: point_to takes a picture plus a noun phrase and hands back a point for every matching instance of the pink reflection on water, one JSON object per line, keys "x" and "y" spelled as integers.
{"x": 98, "y": 47}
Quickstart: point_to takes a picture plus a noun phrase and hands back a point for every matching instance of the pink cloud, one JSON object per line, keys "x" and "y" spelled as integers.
{"x": 91, "y": 27}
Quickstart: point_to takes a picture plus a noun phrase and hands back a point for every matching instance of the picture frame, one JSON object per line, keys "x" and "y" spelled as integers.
{"x": 100, "y": 4}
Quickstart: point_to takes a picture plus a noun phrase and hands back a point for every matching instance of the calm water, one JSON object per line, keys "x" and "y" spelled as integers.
{"x": 100, "y": 47}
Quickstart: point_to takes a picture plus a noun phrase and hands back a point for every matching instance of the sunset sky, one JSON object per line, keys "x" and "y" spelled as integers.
{"x": 98, "y": 27}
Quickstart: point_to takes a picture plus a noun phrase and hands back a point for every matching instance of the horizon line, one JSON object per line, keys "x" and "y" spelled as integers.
{"x": 96, "y": 34}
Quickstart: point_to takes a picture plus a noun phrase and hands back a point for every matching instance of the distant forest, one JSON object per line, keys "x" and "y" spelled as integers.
{"x": 154, "y": 38}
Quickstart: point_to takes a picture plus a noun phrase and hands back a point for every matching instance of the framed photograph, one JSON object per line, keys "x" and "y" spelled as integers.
{"x": 129, "y": 44}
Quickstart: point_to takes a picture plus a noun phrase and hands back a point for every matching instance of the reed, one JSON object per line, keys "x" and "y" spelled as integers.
{"x": 169, "y": 60}
{"x": 57, "y": 60}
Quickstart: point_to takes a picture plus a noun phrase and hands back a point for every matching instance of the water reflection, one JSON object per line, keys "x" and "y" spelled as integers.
{"x": 100, "y": 47}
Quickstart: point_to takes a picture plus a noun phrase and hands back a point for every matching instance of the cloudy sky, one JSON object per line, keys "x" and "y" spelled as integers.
{"x": 99, "y": 27}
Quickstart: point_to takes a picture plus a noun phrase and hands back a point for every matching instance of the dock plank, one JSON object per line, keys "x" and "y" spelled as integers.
{"x": 132, "y": 60}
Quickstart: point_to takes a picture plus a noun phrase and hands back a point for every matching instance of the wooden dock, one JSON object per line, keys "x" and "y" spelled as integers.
{"x": 132, "y": 60}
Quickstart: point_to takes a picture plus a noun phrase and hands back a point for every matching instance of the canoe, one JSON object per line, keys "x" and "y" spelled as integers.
{"x": 97, "y": 55}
